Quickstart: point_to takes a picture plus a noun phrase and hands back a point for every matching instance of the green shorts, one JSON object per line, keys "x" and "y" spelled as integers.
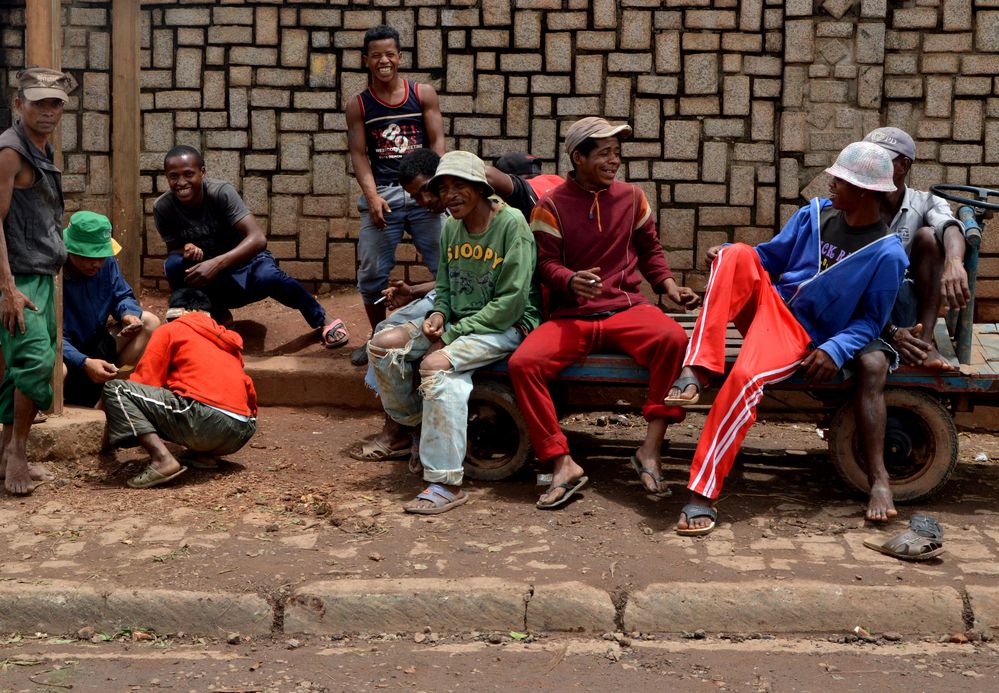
{"x": 30, "y": 357}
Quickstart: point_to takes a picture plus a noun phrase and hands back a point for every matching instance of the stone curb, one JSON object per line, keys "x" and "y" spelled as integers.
{"x": 493, "y": 604}
{"x": 57, "y": 607}
{"x": 793, "y": 607}
{"x": 304, "y": 381}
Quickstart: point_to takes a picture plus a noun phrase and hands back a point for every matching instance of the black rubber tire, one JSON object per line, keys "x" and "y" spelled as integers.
{"x": 498, "y": 444}
{"x": 920, "y": 445}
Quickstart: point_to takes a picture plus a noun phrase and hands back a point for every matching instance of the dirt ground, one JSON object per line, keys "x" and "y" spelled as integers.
{"x": 492, "y": 662}
{"x": 293, "y": 506}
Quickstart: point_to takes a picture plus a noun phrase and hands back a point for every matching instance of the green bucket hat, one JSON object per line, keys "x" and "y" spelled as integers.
{"x": 89, "y": 235}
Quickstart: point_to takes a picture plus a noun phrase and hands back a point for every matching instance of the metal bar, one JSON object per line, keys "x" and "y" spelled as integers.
{"x": 966, "y": 319}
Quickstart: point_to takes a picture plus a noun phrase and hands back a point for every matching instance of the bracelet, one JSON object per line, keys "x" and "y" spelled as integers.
{"x": 892, "y": 331}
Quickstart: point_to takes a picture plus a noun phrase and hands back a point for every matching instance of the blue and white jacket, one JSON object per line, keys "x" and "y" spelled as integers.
{"x": 844, "y": 307}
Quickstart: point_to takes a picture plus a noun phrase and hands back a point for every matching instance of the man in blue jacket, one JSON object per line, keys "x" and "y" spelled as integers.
{"x": 94, "y": 290}
{"x": 837, "y": 277}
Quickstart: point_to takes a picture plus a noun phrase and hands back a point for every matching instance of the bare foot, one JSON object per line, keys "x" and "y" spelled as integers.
{"x": 17, "y": 476}
{"x": 881, "y": 506}
{"x": 36, "y": 471}
{"x": 690, "y": 391}
{"x": 935, "y": 361}
{"x": 698, "y": 522}
{"x": 565, "y": 470}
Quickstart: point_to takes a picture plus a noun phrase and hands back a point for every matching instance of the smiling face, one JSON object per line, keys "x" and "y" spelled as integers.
{"x": 42, "y": 116}
{"x": 459, "y": 196}
{"x": 845, "y": 196}
{"x": 184, "y": 176}
{"x": 382, "y": 59}
{"x": 596, "y": 170}
{"x": 419, "y": 190}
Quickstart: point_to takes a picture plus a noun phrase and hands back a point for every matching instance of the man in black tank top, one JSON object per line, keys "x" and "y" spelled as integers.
{"x": 32, "y": 252}
{"x": 389, "y": 118}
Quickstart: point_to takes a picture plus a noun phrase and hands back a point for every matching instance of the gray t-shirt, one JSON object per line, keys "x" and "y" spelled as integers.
{"x": 210, "y": 227}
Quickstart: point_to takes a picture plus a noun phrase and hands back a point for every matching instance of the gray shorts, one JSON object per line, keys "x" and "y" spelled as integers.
{"x": 903, "y": 314}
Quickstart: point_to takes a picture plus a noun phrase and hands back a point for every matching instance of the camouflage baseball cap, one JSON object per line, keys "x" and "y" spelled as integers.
{"x": 39, "y": 83}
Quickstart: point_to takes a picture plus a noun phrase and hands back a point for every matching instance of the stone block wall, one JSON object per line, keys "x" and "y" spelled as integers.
{"x": 737, "y": 105}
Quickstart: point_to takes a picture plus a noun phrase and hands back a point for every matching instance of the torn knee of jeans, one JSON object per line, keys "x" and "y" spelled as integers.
{"x": 430, "y": 382}
{"x": 376, "y": 352}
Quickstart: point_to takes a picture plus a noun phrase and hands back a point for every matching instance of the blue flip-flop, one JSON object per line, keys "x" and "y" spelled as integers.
{"x": 442, "y": 499}
{"x": 692, "y": 510}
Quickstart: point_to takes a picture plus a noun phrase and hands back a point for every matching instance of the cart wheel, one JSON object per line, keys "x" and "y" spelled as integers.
{"x": 920, "y": 445}
{"x": 498, "y": 443}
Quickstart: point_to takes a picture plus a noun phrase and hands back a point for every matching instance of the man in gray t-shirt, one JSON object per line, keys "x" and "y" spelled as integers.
{"x": 216, "y": 245}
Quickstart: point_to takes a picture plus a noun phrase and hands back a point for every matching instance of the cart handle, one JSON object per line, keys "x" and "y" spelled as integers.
{"x": 980, "y": 201}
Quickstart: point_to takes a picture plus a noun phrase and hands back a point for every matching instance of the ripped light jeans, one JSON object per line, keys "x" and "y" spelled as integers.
{"x": 441, "y": 400}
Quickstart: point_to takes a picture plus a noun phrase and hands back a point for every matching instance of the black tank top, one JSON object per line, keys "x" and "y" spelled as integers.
{"x": 391, "y": 130}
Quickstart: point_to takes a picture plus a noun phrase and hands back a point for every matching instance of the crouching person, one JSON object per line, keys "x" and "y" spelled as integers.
{"x": 486, "y": 303}
{"x": 189, "y": 388}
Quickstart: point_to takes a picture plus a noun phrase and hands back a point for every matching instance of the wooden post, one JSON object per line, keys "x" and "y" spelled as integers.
{"x": 44, "y": 49}
{"x": 126, "y": 205}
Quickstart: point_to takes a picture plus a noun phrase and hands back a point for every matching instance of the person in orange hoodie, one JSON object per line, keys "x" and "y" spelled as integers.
{"x": 189, "y": 388}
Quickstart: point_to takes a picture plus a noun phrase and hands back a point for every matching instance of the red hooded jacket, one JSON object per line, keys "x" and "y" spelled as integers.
{"x": 195, "y": 357}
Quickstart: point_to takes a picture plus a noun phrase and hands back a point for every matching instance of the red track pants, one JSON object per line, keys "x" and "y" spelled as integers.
{"x": 644, "y": 332}
{"x": 774, "y": 343}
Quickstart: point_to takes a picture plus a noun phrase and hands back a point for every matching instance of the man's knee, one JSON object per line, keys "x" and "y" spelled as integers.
{"x": 437, "y": 361}
{"x": 149, "y": 321}
{"x": 872, "y": 370}
{"x": 524, "y": 361}
{"x": 925, "y": 246}
{"x": 392, "y": 338}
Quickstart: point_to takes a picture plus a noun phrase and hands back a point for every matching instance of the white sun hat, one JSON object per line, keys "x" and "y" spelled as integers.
{"x": 865, "y": 165}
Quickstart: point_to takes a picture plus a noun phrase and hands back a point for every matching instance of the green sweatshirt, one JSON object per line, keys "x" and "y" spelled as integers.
{"x": 485, "y": 282}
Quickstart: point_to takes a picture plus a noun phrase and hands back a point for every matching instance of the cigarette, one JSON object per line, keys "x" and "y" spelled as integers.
{"x": 591, "y": 281}
{"x": 379, "y": 300}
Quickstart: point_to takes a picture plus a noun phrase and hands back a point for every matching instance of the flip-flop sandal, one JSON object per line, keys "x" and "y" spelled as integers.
{"x": 150, "y": 477}
{"x": 664, "y": 491}
{"x": 373, "y": 451}
{"x": 442, "y": 499}
{"x": 682, "y": 383}
{"x": 908, "y": 546}
{"x": 335, "y": 334}
{"x": 570, "y": 487}
{"x": 199, "y": 461}
{"x": 695, "y": 510}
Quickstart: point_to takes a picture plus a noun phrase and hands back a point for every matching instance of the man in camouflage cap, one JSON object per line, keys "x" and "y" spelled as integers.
{"x": 31, "y": 254}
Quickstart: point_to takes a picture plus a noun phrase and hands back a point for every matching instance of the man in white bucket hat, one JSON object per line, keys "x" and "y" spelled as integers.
{"x": 838, "y": 273}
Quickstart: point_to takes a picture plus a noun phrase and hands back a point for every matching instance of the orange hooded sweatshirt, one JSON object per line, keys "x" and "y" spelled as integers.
{"x": 197, "y": 358}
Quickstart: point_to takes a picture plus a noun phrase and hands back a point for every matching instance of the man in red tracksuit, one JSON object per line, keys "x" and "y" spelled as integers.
{"x": 189, "y": 388}
{"x": 596, "y": 239}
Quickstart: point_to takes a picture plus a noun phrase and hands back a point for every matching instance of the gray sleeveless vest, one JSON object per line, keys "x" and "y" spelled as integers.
{"x": 33, "y": 225}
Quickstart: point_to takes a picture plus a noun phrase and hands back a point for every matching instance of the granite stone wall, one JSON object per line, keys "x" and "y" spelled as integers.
{"x": 737, "y": 105}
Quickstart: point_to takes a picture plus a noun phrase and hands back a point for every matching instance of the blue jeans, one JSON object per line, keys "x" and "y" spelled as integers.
{"x": 441, "y": 400}
{"x": 416, "y": 310}
{"x": 376, "y": 247}
{"x": 257, "y": 279}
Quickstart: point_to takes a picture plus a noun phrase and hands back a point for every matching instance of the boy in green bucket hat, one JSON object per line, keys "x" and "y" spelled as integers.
{"x": 93, "y": 351}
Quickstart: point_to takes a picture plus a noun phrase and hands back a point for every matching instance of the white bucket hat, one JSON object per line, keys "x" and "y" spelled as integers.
{"x": 865, "y": 165}
{"x": 464, "y": 165}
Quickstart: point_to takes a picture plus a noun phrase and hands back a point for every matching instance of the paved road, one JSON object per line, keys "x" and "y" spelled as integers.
{"x": 474, "y": 664}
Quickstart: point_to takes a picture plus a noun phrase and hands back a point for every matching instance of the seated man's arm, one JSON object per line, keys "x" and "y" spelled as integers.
{"x": 253, "y": 242}
{"x": 548, "y": 239}
{"x": 954, "y": 289}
